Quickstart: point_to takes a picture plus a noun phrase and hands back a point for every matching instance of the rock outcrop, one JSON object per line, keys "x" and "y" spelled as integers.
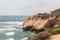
{"x": 46, "y": 25}
{"x": 55, "y": 22}
{"x": 52, "y": 33}
{"x": 37, "y": 23}
{"x": 43, "y": 36}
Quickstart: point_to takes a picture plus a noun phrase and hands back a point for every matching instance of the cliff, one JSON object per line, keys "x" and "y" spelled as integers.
{"x": 38, "y": 22}
{"x": 35, "y": 22}
{"x": 41, "y": 23}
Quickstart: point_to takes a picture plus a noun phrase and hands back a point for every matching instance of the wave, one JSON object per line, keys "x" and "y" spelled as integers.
{"x": 10, "y": 39}
{"x": 3, "y": 29}
{"x": 9, "y": 33}
{"x": 20, "y": 23}
{"x": 26, "y": 38}
{"x": 11, "y": 24}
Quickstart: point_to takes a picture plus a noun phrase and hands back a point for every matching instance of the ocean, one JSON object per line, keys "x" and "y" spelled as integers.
{"x": 8, "y": 30}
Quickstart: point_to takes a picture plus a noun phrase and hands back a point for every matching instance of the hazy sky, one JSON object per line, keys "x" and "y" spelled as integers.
{"x": 27, "y": 7}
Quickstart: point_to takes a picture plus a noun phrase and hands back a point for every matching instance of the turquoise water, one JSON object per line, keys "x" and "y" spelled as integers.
{"x": 8, "y": 30}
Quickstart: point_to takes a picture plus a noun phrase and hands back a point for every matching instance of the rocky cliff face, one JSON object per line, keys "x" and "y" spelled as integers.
{"x": 41, "y": 24}
{"x": 38, "y": 22}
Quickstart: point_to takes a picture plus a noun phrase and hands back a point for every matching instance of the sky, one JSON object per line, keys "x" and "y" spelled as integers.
{"x": 27, "y": 7}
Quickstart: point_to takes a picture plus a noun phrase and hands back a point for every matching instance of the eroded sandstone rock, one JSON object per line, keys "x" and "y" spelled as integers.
{"x": 37, "y": 22}
{"x": 40, "y": 23}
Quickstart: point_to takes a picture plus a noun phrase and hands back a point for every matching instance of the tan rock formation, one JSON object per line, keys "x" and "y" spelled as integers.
{"x": 40, "y": 23}
{"x": 37, "y": 22}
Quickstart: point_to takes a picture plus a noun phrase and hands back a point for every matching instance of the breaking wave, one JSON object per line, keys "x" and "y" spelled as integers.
{"x": 10, "y": 24}
{"x": 26, "y": 38}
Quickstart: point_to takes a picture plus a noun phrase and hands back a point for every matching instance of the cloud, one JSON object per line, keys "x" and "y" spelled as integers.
{"x": 52, "y": 4}
{"x": 27, "y": 7}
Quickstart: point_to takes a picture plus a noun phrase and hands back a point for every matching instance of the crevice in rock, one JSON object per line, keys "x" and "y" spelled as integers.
{"x": 28, "y": 28}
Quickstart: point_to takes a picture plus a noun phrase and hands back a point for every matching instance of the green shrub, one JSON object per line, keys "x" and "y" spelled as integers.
{"x": 54, "y": 30}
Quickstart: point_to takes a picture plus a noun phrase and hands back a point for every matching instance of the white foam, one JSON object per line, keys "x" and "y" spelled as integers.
{"x": 3, "y": 29}
{"x": 10, "y": 39}
{"x": 9, "y": 26}
{"x": 13, "y": 22}
{"x": 20, "y": 23}
{"x": 9, "y": 33}
{"x": 32, "y": 33}
{"x": 26, "y": 38}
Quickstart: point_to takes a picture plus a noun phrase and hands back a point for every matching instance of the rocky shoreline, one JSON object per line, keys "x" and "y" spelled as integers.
{"x": 46, "y": 26}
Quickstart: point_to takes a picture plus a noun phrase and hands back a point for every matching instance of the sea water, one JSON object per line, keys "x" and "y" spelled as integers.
{"x": 8, "y": 30}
